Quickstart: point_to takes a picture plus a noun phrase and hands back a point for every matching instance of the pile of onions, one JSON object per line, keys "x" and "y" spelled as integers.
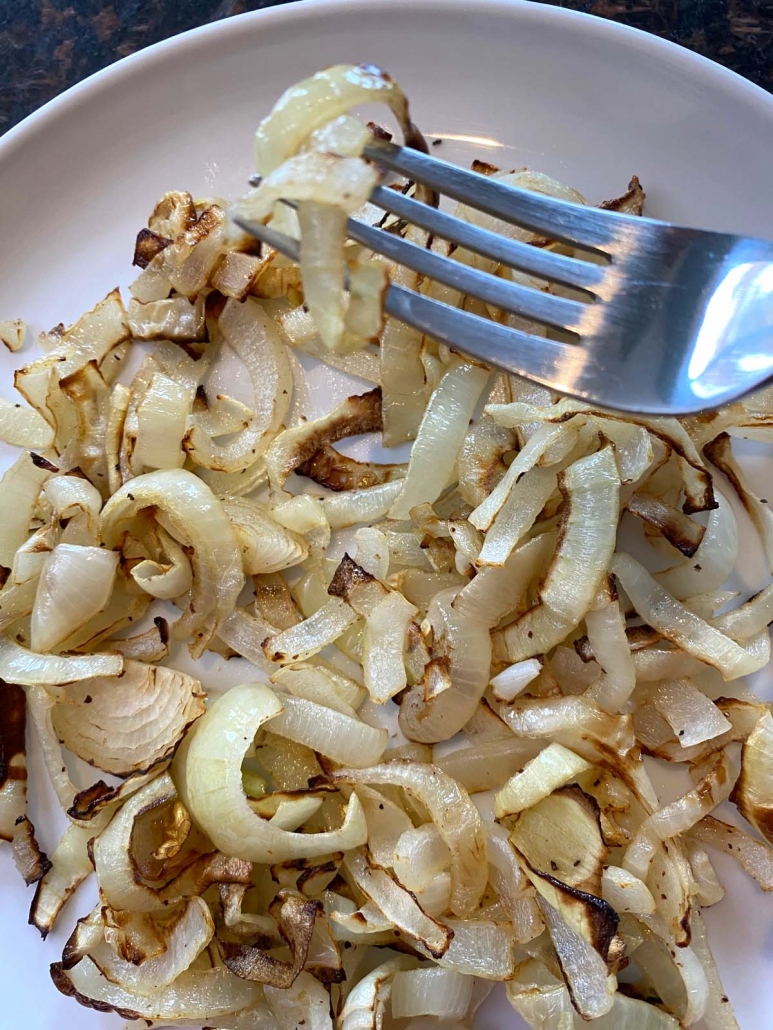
{"x": 430, "y": 777}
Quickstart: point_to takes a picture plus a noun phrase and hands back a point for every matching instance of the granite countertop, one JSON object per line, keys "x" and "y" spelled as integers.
{"x": 48, "y": 45}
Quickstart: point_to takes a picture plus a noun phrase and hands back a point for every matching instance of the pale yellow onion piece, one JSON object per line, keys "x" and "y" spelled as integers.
{"x": 678, "y": 624}
{"x": 552, "y": 768}
{"x": 365, "y": 1003}
{"x": 480, "y": 947}
{"x": 720, "y": 453}
{"x": 306, "y": 516}
{"x": 198, "y": 517}
{"x": 306, "y": 1003}
{"x": 216, "y": 798}
{"x": 516, "y": 517}
{"x": 509, "y": 683}
{"x": 589, "y": 532}
{"x": 323, "y": 238}
{"x": 301, "y": 332}
{"x": 355, "y": 506}
{"x": 464, "y": 647}
{"x": 754, "y": 856}
{"x": 401, "y": 369}
{"x": 752, "y": 793}
{"x": 162, "y": 416}
{"x": 440, "y": 436}
{"x": 223, "y": 415}
{"x": 431, "y": 992}
{"x": 89, "y": 808}
{"x": 397, "y": 904}
{"x": 16, "y": 601}
{"x": 669, "y": 431}
{"x": 187, "y": 939}
{"x": 77, "y": 502}
{"x": 253, "y": 336}
{"x": 119, "y": 881}
{"x": 545, "y": 1006}
{"x": 12, "y": 333}
{"x": 383, "y": 647}
{"x": 300, "y": 642}
{"x": 24, "y": 427}
{"x": 173, "y": 318}
{"x": 632, "y": 444}
{"x": 680, "y": 815}
{"x": 419, "y": 855}
{"x": 315, "y": 101}
{"x": 690, "y": 714}
{"x": 322, "y": 685}
{"x": 373, "y": 552}
{"x": 128, "y": 724}
{"x": 195, "y": 997}
{"x": 719, "y": 1013}
{"x": 292, "y": 813}
{"x": 714, "y": 560}
{"x": 70, "y": 866}
{"x": 341, "y": 182}
{"x": 489, "y": 764}
{"x": 346, "y": 740}
{"x": 265, "y": 545}
{"x": 495, "y": 592}
{"x": 75, "y": 584}
{"x": 18, "y": 665}
{"x": 245, "y": 634}
{"x": 191, "y": 259}
{"x": 19, "y": 491}
{"x": 606, "y": 633}
{"x": 165, "y": 580}
{"x": 483, "y": 516}
{"x": 456, "y": 818}
{"x": 626, "y": 892}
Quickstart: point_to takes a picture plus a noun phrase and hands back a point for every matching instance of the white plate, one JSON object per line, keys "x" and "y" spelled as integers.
{"x": 586, "y": 100}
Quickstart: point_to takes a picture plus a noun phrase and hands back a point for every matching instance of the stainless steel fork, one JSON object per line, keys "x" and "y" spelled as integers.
{"x": 675, "y": 320}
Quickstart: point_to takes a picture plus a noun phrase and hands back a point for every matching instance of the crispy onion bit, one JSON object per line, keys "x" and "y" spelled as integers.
{"x": 215, "y": 797}
{"x": 198, "y": 517}
{"x": 295, "y": 916}
{"x": 295, "y": 446}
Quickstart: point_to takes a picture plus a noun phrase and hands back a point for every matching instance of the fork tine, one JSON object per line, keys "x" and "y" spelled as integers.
{"x": 548, "y": 362}
{"x": 521, "y": 300}
{"x": 558, "y": 219}
{"x": 526, "y": 258}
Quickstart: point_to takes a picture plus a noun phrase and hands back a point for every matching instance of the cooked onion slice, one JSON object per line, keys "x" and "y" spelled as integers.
{"x": 753, "y": 792}
{"x": 431, "y": 992}
{"x": 181, "y": 940}
{"x": 316, "y": 101}
{"x": 300, "y": 642}
{"x": 677, "y": 623}
{"x": 552, "y": 768}
{"x": 397, "y": 904}
{"x": 591, "y": 487}
{"x": 265, "y": 545}
{"x": 75, "y": 585}
{"x": 252, "y": 335}
{"x": 365, "y": 1004}
{"x": 456, "y": 817}
{"x": 341, "y": 737}
{"x": 440, "y": 437}
{"x": 711, "y": 564}
{"x": 754, "y": 857}
{"x": 215, "y": 796}
{"x": 194, "y": 513}
{"x": 128, "y": 724}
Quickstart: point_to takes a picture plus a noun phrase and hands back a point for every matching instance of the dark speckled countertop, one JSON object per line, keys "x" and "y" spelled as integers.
{"x": 48, "y": 45}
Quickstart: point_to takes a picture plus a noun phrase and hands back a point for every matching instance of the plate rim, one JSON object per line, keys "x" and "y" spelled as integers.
{"x": 697, "y": 65}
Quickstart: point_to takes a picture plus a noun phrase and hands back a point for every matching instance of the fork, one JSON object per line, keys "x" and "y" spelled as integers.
{"x": 672, "y": 320}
